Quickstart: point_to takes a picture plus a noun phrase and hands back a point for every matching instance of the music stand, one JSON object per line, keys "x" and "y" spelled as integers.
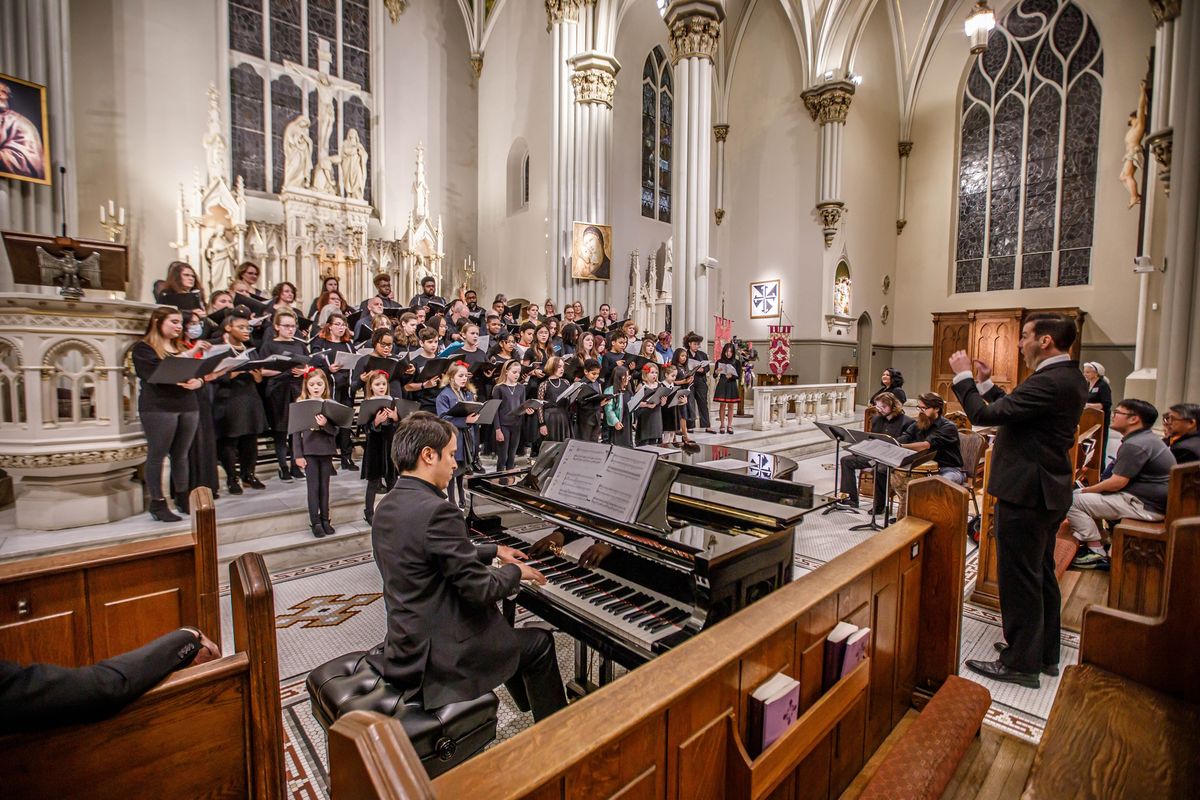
{"x": 108, "y": 270}
{"x": 911, "y": 458}
{"x": 839, "y": 435}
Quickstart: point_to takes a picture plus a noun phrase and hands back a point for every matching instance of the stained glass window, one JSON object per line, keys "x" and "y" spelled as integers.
{"x": 657, "y": 108}
{"x": 265, "y": 95}
{"x": 1028, "y": 144}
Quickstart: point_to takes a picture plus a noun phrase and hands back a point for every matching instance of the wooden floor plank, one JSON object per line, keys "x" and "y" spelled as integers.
{"x": 974, "y": 767}
{"x": 1090, "y": 588}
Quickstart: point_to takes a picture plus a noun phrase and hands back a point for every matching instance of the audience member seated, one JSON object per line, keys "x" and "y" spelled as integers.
{"x": 1182, "y": 424}
{"x": 931, "y": 432}
{"x": 890, "y": 420}
{"x": 42, "y": 696}
{"x": 1136, "y": 489}
{"x": 446, "y": 639}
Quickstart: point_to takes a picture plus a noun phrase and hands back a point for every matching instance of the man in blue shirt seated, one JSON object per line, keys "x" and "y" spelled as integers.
{"x": 1137, "y": 487}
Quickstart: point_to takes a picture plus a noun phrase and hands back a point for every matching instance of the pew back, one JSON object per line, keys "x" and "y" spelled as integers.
{"x": 85, "y": 606}
{"x": 207, "y": 731}
{"x": 673, "y": 728}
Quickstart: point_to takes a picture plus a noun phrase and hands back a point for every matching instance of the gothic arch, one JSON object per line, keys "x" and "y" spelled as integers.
{"x": 517, "y": 171}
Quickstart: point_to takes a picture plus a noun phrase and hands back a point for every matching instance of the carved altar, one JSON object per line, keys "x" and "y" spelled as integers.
{"x": 69, "y": 426}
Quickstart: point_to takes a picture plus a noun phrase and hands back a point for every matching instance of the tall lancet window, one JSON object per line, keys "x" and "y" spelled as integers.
{"x": 265, "y": 95}
{"x": 1027, "y": 165}
{"x": 657, "y": 107}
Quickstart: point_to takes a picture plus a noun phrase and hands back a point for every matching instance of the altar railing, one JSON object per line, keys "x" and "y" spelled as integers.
{"x": 781, "y": 406}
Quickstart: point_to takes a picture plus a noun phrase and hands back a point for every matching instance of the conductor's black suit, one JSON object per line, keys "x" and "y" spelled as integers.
{"x": 1032, "y": 480}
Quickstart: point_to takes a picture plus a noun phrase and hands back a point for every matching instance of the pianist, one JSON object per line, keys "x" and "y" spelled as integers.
{"x": 446, "y": 640}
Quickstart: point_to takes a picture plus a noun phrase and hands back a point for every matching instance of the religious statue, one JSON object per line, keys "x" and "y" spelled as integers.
{"x": 353, "y": 171}
{"x": 633, "y": 310}
{"x": 214, "y": 138}
{"x": 322, "y": 176}
{"x": 668, "y": 270}
{"x": 841, "y": 296}
{"x": 1132, "y": 160}
{"x": 297, "y": 154}
{"x": 219, "y": 255}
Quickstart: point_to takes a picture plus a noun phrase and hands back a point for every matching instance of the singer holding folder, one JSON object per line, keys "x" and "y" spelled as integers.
{"x": 314, "y": 447}
{"x": 456, "y": 390}
{"x": 169, "y": 412}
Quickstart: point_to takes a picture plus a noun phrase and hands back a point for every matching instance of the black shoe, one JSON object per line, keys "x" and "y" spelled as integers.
{"x": 254, "y": 483}
{"x": 998, "y": 671}
{"x": 369, "y": 516}
{"x": 297, "y": 472}
{"x": 161, "y": 512}
{"x": 284, "y": 475}
{"x": 318, "y": 530}
{"x": 348, "y": 463}
{"x": 1047, "y": 669}
{"x": 328, "y": 528}
{"x": 233, "y": 487}
{"x": 181, "y": 503}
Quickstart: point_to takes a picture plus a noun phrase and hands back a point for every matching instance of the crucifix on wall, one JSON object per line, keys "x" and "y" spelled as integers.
{"x": 327, "y": 87}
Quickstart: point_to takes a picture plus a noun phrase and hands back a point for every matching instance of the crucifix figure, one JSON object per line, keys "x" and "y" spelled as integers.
{"x": 327, "y": 88}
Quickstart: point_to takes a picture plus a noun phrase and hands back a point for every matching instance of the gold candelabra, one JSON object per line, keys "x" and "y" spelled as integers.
{"x": 112, "y": 220}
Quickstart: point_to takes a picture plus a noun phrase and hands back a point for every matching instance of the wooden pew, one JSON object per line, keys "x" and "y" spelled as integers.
{"x": 1125, "y": 722}
{"x": 82, "y": 607}
{"x": 1138, "y": 575}
{"x": 209, "y": 731}
{"x": 674, "y": 727}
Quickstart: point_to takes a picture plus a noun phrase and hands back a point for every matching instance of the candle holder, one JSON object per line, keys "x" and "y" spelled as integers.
{"x": 112, "y": 220}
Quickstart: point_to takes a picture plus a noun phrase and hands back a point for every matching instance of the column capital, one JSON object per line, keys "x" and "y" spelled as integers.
{"x": 477, "y": 64}
{"x": 1164, "y": 10}
{"x": 695, "y": 28}
{"x": 1160, "y": 144}
{"x": 594, "y": 77}
{"x": 562, "y": 11}
{"x": 829, "y": 102}
{"x": 722, "y": 133}
{"x": 905, "y": 149}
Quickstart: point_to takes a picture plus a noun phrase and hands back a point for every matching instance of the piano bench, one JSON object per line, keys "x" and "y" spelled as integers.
{"x": 443, "y": 737}
{"x": 922, "y": 763}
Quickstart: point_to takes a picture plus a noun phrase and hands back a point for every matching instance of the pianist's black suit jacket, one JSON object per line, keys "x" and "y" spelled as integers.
{"x": 445, "y": 635}
{"x": 1031, "y": 463}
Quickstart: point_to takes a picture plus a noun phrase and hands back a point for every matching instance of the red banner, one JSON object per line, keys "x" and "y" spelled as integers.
{"x": 724, "y": 333}
{"x": 779, "y": 349}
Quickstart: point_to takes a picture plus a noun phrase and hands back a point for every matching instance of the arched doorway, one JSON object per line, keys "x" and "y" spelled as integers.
{"x": 866, "y": 371}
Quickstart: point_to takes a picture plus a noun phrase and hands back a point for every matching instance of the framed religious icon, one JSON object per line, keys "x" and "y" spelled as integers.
{"x": 764, "y": 299}
{"x": 591, "y": 252}
{"x": 24, "y": 144}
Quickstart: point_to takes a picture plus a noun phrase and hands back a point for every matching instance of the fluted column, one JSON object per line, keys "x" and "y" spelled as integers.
{"x": 593, "y": 80}
{"x": 695, "y": 30}
{"x": 562, "y": 20}
{"x": 828, "y": 104}
{"x": 721, "y": 132}
{"x": 905, "y": 149}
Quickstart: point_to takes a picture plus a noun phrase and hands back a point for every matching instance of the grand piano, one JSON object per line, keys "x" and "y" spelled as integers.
{"x": 710, "y": 537}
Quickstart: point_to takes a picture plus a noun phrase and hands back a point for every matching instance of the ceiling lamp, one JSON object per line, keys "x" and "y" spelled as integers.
{"x": 980, "y": 22}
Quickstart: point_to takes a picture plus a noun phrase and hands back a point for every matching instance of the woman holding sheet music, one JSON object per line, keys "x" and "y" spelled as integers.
{"x": 314, "y": 450}
{"x": 457, "y": 388}
{"x": 726, "y": 394}
{"x": 381, "y": 347}
{"x": 181, "y": 288}
{"x": 283, "y": 387}
{"x": 511, "y": 394}
{"x": 202, "y": 455}
{"x": 334, "y": 338}
{"x": 238, "y": 414}
{"x": 168, "y": 411}
{"x": 378, "y": 469}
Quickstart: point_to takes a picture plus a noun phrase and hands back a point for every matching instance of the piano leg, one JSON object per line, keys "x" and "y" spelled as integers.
{"x": 508, "y": 607}
{"x": 606, "y": 671}
{"x": 581, "y": 684}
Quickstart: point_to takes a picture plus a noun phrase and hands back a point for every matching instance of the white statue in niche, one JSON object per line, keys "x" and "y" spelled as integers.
{"x": 841, "y": 296}
{"x": 668, "y": 279}
{"x": 219, "y": 254}
{"x": 353, "y": 171}
{"x": 297, "y": 154}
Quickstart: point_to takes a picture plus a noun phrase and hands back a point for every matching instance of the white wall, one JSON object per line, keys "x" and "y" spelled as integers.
{"x": 515, "y": 102}
{"x": 926, "y": 249}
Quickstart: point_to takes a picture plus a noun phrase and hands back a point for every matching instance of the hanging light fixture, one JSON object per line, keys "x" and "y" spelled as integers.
{"x": 979, "y": 24}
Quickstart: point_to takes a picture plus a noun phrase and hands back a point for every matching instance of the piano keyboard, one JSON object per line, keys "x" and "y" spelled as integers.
{"x": 638, "y": 614}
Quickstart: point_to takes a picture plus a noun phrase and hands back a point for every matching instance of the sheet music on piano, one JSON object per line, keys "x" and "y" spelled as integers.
{"x": 603, "y": 478}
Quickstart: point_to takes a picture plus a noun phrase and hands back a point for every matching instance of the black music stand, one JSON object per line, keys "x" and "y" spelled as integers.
{"x": 860, "y": 437}
{"x": 839, "y": 435}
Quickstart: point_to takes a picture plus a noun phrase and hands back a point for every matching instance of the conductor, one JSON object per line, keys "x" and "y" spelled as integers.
{"x": 446, "y": 640}
{"x": 1032, "y": 480}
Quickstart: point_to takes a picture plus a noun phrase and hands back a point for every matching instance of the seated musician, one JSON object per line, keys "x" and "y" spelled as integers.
{"x": 41, "y": 696}
{"x": 932, "y": 432}
{"x": 1137, "y": 487}
{"x": 446, "y": 640}
{"x": 890, "y": 420}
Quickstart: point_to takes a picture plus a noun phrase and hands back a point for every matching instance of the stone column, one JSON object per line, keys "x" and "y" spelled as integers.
{"x": 828, "y": 104}
{"x": 721, "y": 132}
{"x": 593, "y": 80}
{"x": 905, "y": 149}
{"x": 562, "y": 20}
{"x": 695, "y": 30}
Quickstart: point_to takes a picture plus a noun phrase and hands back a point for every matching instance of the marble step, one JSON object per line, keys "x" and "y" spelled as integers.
{"x": 299, "y": 548}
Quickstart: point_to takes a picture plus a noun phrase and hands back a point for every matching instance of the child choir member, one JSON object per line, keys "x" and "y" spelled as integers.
{"x": 238, "y": 414}
{"x": 511, "y": 394}
{"x": 649, "y": 416}
{"x": 314, "y": 449}
{"x": 554, "y": 422}
{"x": 457, "y": 388}
{"x": 378, "y": 469}
{"x": 726, "y": 394}
{"x": 617, "y": 416}
{"x": 283, "y": 388}
{"x": 334, "y": 338}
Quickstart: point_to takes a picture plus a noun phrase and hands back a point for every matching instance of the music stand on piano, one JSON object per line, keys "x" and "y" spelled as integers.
{"x": 839, "y": 435}
{"x": 71, "y": 264}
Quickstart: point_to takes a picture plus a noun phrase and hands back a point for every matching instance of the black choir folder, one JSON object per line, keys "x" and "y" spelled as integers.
{"x": 846, "y": 647}
{"x": 770, "y": 710}
{"x": 302, "y": 412}
{"x": 372, "y": 405}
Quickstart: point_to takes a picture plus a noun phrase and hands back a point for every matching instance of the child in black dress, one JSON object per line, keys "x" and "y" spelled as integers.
{"x": 649, "y": 416}
{"x": 378, "y": 468}
{"x": 725, "y": 395}
{"x": 314, "y": 450}
{"x": 511, "y": 393}
{"x": 457, "y": 388}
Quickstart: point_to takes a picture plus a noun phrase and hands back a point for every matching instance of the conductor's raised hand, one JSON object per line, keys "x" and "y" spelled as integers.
{"x": 960, "y": 362}
{"x": 982, "y": 371}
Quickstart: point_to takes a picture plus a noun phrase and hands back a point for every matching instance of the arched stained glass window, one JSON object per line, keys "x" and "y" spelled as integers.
{"x": 657, "y": 107}
{"x": 1027, "y": 162}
